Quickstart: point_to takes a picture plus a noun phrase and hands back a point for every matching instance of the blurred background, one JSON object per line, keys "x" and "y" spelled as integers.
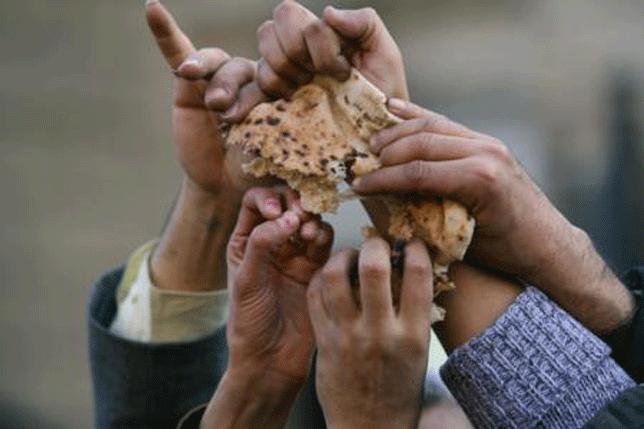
{"x": 87, "y": 167}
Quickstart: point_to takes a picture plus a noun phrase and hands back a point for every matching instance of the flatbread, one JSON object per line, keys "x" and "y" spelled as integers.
{"x": 319, "y": 138}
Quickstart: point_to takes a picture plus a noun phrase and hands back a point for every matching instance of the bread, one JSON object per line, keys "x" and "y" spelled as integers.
{"x": 319, "y": 138}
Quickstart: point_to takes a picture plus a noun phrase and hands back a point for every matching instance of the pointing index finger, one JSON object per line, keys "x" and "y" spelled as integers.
{"x": 173, "y": 43}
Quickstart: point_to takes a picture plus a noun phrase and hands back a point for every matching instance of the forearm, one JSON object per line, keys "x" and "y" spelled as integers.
{"x": 535, "y": 366}
{"x": 479, "y": 299}
{"x": 244, "y": 401}
{"x": 191, "y": 253}
{"x": 575, "y": 276}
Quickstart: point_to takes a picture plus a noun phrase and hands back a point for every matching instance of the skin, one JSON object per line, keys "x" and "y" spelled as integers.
{"x": 513, "y": 215}
{"x": 212, "y": 88}
{"x": 518, "y": 231}
{"x": 269, "y": 333}
{"x": 371, "y": 357}
{"x": 296, "y": 43}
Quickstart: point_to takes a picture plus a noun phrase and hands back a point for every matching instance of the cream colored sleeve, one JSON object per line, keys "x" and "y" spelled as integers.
{"x": 148, "y": 314}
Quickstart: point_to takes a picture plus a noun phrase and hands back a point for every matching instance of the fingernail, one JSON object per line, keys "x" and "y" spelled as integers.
{"x": 149, "y": 2}
{"x": 273, "y": 206}
{"x": 228, "y": 114}
{"x": 396, "y": 104}
{"x": 191, "y": 62}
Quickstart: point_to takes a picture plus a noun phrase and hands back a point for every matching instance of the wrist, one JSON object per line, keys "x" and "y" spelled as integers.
{"x": 394, "y": 419}
{"x": 191, "y": 253}
{"x": 246, "y": 398}
{"x": 578, "y": 279}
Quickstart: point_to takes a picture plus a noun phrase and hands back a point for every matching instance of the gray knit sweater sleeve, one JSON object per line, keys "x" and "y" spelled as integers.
{"x": 535, "y": 367}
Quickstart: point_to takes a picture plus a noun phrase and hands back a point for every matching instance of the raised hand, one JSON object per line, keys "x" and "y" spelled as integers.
{"x": 295, "y": 44}
{"x": 209, "y": 85}
{"x": 372, "y": 358}
{"x": 272, "y": 255}
{"x": 518, "y": 230}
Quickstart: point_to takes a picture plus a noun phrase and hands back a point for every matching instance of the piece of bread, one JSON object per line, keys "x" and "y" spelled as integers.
{"x": 319, "y": 138}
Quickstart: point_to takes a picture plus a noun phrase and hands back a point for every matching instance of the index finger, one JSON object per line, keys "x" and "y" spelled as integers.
{"x": 258, "y": 205}
{"x": 174, "y": 44}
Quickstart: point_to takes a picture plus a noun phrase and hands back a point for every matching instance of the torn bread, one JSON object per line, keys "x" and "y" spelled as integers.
{"x": 319, "y": 138}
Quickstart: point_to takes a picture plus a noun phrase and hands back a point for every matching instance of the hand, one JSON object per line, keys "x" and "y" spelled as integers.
{"x": 270, "y": 266}
{"x": 295, "y": 44}
{"x": 209, "y": 83}
{"x": 272, "y": 255}
{"x": 372, "y": 359}
{"x": 518, "y": 230}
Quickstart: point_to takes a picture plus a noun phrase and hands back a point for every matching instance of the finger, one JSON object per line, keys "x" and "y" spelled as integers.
{"x": 336, "y": 286}
{"x": 291, "y": 19}
{"x": 427, "y": 147}
{"x": 374, "y": 268}
{"x": 174, "y": 44}
{"x": 405, "y": 109}
{"x": 325, "y": 49}
{"x": 431, "y": 123}
{"x": 202, "y": 63}
{"x": 271, "y": 50}
{"x": 269, "y": 237}
{"x": 358, "y": 25}
{"x": 417, "y": 286}
{"x": 309, "y": 230}
{"x": 319, "y": 248}
{"x": 250, "y": 95}
{"x": 320, "y": 318}
{"x": 223, "y": 89}
{"x": 257, "y": 205}
{"x": 451, "y": 179}
{"x": 271, "y": 83}
{"x": 294, "y": 204}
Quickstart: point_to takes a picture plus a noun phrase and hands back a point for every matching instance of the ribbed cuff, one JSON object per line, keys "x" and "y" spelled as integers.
{"x": 534, "y": 367}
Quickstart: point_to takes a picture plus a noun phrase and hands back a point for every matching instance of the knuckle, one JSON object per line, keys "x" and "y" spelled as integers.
{"x": 268, "y": 83}
{"x": 417, "y": 266}
{"x": 427, "y": 139}
{"x": 374, "y": 269}
{"x": 500, "y": 151}
{"x": 331, "y": 273}
{"x": 487, "y": 172}
{"x": 370, "y": 13}
{"x": 283, "y": 10}
{"x": 260, "y": 237}
{"x": 414, "y": 173}
{"x": 414, "y": 343}
{"x": 216, "y": 52}
{"x": 344, "y": 343}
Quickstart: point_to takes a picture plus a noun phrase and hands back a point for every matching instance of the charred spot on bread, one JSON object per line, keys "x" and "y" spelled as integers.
{"x": 273, "y": 121}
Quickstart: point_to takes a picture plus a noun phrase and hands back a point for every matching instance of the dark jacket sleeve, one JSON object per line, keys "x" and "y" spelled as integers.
{"x": 140, "y": 385}
{"x": 625, "y": 412}
{"x": 627, "y": 342}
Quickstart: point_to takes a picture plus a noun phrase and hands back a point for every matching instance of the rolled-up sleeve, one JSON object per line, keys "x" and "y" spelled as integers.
{"x": 148, "y": 314}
